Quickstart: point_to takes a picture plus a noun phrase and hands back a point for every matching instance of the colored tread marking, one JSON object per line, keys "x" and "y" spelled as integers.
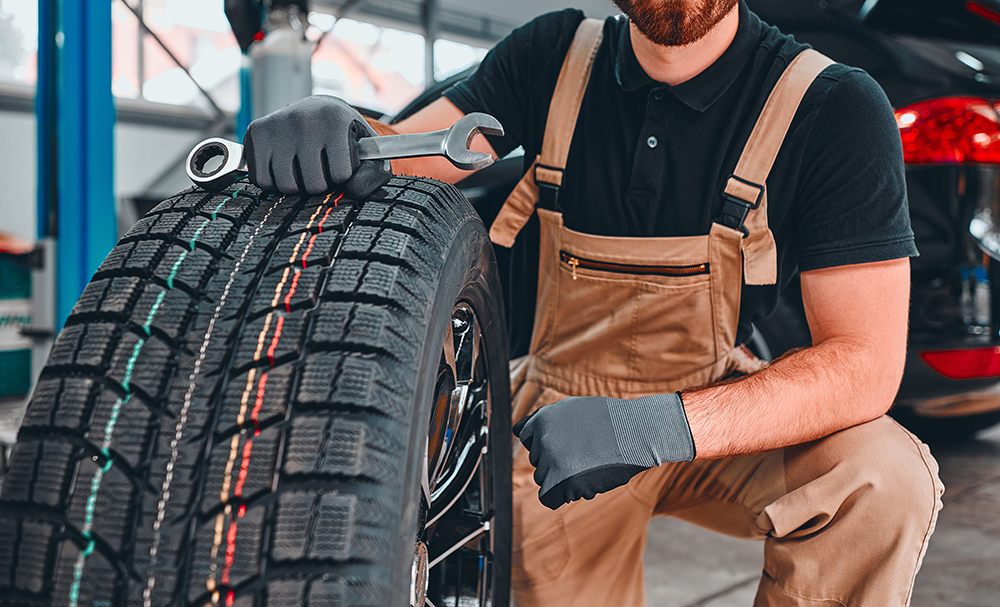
{"x": 260, "y": 338}
{"x": 215, "y": 211}
{"x": 278, "y": 288}
{"x": 302, "y": 238}
{"x": 244, "y": 471}
{"x": 238, "y": 492}
{"x": 109, "y": 428}
{"x": 161, "y": 506}
{"x": 257, "y": 404}
{"x": 322, "y": 221}
{"x": 173, "y": 270}
{"x": 216, "y": 542}
{"x": 230, "y": 553}
{"x": 309, "y": 249}
{"x": 91, "y": 507}
{"x": 230, "y": 533}
{"x": 295, "y": 251}
{"x": 198, "y": 232}
{"x": 291, "y": 291}
{"x": 312, "y": 240}
{"x": 234, "y": 448}
{"x": 233, "y": 452}
{"x": 263, "y": 333}
{"x": 131, "y": 364}
{"x": 245, "y": 463}
{"x": 152, "y": 312}
{"x": 274, "y": 340}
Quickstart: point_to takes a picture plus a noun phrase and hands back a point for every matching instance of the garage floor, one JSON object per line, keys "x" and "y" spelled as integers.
{"x": 689, "y": 567}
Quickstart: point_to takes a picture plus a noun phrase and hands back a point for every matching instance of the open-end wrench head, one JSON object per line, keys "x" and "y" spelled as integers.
{"x": 205, "y": 168}
{"x": 460, "y": 136}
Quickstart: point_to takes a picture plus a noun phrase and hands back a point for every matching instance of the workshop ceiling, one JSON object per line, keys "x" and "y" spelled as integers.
{"x": 484, "y": 20}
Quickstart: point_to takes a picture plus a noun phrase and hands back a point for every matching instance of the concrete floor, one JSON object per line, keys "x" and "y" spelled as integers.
{"x": 687, "y": 566}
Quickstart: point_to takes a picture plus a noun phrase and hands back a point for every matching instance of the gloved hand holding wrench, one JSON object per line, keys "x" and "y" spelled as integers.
{"x": 320, "y": 143}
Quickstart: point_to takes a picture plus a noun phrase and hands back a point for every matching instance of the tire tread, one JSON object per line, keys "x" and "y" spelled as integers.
{"x": 308, "y": 427}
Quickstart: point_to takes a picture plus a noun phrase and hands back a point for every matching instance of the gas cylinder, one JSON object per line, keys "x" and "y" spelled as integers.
{"x": 281, "y": 63}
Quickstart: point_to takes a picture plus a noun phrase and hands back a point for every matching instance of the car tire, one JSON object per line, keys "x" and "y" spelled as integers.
{"x": 273, "y": 400}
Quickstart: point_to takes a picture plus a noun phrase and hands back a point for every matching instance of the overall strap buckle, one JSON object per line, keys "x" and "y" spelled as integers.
{"x": 734, "y": 208}
{"x": 549, "y": 184}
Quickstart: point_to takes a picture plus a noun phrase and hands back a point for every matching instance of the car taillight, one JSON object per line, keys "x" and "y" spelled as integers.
{"x": 978, "y": 9}
{"x": 949, "y": 130}
{"x": 978, "y": 363}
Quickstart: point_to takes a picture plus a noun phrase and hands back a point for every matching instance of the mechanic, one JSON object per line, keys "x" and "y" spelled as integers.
{"x": 650, "y": 230}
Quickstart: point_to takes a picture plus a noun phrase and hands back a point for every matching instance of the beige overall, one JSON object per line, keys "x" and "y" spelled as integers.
{"x": 845, "y": 519}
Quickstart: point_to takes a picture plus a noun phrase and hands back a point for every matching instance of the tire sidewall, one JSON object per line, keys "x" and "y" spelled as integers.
{"x": 469, "y": 274}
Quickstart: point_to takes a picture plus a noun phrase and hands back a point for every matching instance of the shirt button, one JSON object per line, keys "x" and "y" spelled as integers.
{"x": 658, "y": 96}
{"x": 651, "y": 142}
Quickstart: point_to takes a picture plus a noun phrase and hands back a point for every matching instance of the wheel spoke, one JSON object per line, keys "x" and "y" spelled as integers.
{"x": 468, "y": 450}
{"x": 456, "y": 410}
{"x": 461, "y": 341}
{"x": 458, "y": 476}
{"x": 465, "y": 540}
{"x": 425, "y": 485}
{"x": 465, "y": 330}
{"x": 449, "y": 347}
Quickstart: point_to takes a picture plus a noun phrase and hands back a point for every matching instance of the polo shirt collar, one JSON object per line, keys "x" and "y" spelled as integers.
{"x": 700, "y": 92}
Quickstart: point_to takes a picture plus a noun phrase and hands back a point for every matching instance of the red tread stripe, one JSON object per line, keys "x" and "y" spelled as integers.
{"x": 288, "y": 301}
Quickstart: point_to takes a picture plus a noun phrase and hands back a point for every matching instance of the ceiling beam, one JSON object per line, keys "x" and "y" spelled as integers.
{"x": 465, "y": 23}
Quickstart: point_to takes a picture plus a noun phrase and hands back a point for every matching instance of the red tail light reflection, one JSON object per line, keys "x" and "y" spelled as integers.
{"x": 949, "y": 130}
{"x": 979, "y": 363}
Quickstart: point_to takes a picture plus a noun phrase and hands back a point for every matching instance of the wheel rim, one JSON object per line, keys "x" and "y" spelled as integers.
{"x": 455, "y": 535}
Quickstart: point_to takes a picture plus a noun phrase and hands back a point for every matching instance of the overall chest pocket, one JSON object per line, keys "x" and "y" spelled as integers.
{"x": 632, "y": 321}
{"x": 585, "y": 266}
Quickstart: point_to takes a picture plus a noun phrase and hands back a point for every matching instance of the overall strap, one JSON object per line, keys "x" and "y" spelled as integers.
{"x": 745, "y": 206}
{"x": 544, "y": 177}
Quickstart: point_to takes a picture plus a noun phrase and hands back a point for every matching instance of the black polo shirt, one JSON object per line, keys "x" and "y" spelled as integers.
{"x": 649, "y": 159}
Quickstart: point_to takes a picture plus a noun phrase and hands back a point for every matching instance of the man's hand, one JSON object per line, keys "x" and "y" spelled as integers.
{"x": 311, "y": 146}
{"x": 582, "y": 446}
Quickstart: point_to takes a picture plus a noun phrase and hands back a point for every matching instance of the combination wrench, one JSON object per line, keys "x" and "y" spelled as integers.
{"x": 452, "y": 143}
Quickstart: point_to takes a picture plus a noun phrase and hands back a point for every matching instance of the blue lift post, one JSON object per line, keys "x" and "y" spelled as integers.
{"x": 245, "y": 114}
{"x": 75, "y": 115}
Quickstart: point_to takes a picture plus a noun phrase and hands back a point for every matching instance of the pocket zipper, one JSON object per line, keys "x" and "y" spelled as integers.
{"x": 574, "y": 262}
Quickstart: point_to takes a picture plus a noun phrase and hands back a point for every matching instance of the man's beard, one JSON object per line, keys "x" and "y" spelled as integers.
{"x": 675, "y": 22}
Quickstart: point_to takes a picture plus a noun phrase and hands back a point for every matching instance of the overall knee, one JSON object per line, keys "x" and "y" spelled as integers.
{"x": 900, "y": 491}
{"x": 854, "y": 525}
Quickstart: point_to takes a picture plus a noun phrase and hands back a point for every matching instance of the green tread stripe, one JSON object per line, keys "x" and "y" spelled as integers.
{"x": 109, "y": 429}
{"x": 131, "y": 364}
{"x": 173, "y": 270}
{"x": 95, "y": 486}
{"x": 156, "y": 306}
{"x": 197, "y": 233}
{"x": 221, "y": 204}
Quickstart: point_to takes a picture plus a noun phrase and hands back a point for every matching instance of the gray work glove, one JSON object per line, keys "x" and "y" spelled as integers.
{"x": 582, "y": 446}
{"x": 311, "y": 146}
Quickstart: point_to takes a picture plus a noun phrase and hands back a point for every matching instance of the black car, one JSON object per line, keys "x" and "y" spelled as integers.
{"x": 939, "y": 63}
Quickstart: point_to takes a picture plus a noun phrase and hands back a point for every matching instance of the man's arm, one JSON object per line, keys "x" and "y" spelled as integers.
{"x": 857, "y": 315}
{"x": 440, "y": 114}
